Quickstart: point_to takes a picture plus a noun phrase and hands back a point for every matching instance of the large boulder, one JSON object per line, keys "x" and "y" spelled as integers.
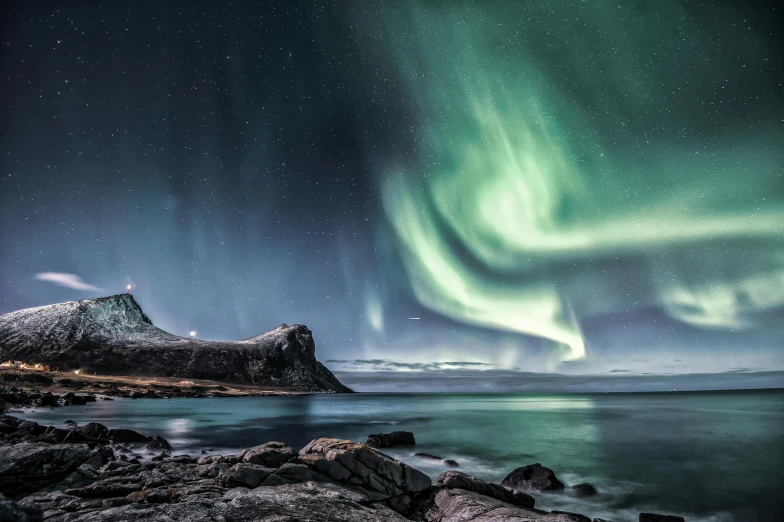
{"x": 533, "y": 477}
{"x": 358, "y": 466}
{"x": 244, "y": 475}
{"x": 124, "y": 436}
{"x": 29, "y": 466}
{"x": 459, "y": 505}
{"x": 391, "y": 440}
{"x": 301, "y": 502}
{"x": 94, "y": 429}
{"x": 460, "y": 480}
{"x": 583, "y": 489}
{"x": 11, "y": 511}
{"x": 271, "y": 454}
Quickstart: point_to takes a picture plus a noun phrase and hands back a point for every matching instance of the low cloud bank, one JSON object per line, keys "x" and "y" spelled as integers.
{"x": 489, "y": 381}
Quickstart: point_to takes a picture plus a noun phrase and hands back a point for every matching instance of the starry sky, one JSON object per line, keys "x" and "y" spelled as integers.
{"x": 432, "y": 186}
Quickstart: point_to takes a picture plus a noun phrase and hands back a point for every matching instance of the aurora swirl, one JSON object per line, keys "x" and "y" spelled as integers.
{"x": 565, "y": 170}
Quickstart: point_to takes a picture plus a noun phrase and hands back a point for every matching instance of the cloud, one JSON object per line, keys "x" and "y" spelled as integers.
{"x": 389, "y": 365}
{"x": 507, "y": 381}
{"x": 66, "y": 280}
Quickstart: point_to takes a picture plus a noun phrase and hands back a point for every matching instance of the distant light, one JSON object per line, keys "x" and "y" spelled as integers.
{"x": 193, "y": 333}
{"x": 76, "y": 372}
{"x": 128, "y": 288}
{"x": 414, "y": 318}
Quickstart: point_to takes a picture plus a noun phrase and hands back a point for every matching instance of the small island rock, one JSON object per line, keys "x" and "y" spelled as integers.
{"x": 533, "y": 477}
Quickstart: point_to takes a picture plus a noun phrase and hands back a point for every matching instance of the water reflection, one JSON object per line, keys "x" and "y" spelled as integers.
{"x": 694, "y": 454}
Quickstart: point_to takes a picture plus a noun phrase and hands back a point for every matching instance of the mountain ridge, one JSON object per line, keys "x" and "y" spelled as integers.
{"x": 112, "y": 335}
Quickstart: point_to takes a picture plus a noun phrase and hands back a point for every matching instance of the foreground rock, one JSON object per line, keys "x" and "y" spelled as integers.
{"x": 533, "y": 477}
{"x": 327, "y": 480}
{"x": 11, "y": 511}
{"x": 391, "y": 440}
{"x": 455, "y": 505}
{"x": 112, "y": 335}
{"x": 30, "y": 466}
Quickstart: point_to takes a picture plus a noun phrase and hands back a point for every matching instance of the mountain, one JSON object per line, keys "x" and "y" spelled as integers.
{"x": 113, "y": 336}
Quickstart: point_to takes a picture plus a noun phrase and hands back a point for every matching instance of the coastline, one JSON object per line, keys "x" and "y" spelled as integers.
{"x": 95, "y": 473}
{"x": 62, "y": 383}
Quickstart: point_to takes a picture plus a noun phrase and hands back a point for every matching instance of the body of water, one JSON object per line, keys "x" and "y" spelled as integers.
{"x": 706, "y": 456}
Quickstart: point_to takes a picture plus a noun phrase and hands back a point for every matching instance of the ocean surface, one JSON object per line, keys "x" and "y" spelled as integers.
{"x": 714, "y": 456}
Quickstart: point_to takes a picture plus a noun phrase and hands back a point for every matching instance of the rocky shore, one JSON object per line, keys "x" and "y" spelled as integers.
{"x": 35, "y": 390}
{"x": 96, "y": 473}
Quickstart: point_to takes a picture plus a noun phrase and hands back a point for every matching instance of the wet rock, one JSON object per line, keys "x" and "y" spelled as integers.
{"x": 427, "y": 456}
{"x": 11, "y": 511}
{"x": 391, "y": 440}
{"x": 94, "y": 429}
{"x": 48, "y": 400}
{"x": 583, "y": 490}
{"x": 30, "y": 466}
{"x": 533, "y": 477}
{"x": 449, "y": 463}
{"x": 71, "y": 399}
{"x": 158, "y": 443}
{"x": 271, "y": 454}
{"x": 653, "y": 517}
{"x": 125, "y": 436}
{"x": 460, "y": 480}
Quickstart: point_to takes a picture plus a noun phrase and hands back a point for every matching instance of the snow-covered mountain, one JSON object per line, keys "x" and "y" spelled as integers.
{"x": 112, "y": 335}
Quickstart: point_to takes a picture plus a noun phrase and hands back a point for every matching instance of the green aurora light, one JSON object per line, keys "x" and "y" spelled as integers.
{"x": 578, "y": 159}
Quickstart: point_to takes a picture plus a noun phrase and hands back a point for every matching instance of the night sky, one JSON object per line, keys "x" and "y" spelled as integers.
{"x": 570, "y": 187}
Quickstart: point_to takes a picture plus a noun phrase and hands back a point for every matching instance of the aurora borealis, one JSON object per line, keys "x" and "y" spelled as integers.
{"x": 576, "y": 187}
{"x": 533, "y": 175}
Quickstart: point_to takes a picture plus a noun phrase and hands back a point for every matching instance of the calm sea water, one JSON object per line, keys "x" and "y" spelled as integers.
{"x": 705, "y": 456}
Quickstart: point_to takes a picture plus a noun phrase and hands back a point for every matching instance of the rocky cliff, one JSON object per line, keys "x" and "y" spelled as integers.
{"x": 113, "y": 336}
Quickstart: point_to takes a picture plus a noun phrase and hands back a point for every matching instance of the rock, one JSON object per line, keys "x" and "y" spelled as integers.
{"x": 158, "y": 443}
{"x": 31, "y": 427}
{"x": 427, "y": 456}
{"x": 71, "y": 399}
{"x": 460, "y": 480}
{"x": 533, "y": 477}
{"x": 390, "y": 440}
{"x": 48, "y": 400}
{"x": 121, "y": 436}
{"x": 458, "y": 505}
{"x": 363, "y": 468}
{"x": 449, "y": 463}
{"x": 311, "y": 502}
{"x": 28, "y": 467}
{"x": 11, "y": 511}
{"x": 94, "y": 429}
{"x": 271, "y": 454}
{"x": 583, "y": 489}
{"x": 244, "y": 475}
{"x": 652, "y": 517}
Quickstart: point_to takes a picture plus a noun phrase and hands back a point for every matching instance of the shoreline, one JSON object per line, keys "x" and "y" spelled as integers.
{"x": 96, "y": 473}
{"x": 62, "y": 383}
